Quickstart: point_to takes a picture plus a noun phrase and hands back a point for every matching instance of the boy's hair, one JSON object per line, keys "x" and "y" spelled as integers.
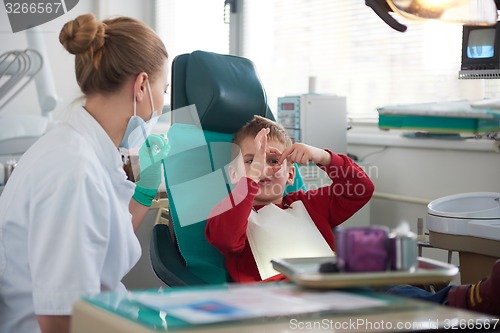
{"x": 251, "y": 129}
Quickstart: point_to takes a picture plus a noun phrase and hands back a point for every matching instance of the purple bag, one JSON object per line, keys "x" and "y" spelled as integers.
{"x": 363, "y": 249}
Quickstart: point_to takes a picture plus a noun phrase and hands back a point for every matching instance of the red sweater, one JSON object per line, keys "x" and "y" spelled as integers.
{"x": 328, "y": 207}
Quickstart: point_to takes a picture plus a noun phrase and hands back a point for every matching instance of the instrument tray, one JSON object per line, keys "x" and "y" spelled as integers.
{"x": 305, "y": 272}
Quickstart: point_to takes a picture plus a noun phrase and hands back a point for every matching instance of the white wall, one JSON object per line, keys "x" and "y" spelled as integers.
{"x": 420, "y": 173}
{"x": 425, "y": 173}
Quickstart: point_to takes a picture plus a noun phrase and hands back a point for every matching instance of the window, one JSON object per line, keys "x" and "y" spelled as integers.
{"x": 340, "y": 45}
{"x": 348, "y": 50}
{"x": 189, "y": 25}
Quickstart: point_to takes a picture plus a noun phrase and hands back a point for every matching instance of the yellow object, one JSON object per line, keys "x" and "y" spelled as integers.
{"x": 468, "y": 12}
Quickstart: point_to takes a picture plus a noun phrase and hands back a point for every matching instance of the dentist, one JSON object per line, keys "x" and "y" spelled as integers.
{"x": 68, "y": 213}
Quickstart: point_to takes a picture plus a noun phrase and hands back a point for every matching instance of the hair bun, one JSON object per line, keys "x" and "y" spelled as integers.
{"x": 83, "y": 34}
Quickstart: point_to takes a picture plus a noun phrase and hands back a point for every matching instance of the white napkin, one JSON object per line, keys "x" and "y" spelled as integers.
{"x": 275, "y": 233}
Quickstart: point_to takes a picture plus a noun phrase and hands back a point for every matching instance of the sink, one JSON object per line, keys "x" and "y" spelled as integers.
{"x": 470, "y": 214}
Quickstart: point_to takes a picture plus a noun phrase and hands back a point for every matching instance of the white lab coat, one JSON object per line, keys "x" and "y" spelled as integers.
{"x": 65, "y": 228}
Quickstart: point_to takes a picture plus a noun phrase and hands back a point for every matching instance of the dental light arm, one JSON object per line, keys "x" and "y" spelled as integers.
{"x": 464, "y": 12}
{"x": 382, "y": 9}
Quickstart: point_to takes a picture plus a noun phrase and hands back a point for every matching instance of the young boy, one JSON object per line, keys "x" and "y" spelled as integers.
{"x": 267, "y": 167}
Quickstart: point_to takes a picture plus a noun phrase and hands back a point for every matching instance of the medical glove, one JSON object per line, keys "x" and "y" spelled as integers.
{"x": 151, "y": 155}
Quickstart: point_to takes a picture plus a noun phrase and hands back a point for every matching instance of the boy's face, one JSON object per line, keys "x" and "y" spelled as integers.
{"x": 271, "y": 185}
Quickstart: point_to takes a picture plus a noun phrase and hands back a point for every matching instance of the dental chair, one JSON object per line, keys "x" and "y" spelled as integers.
{"x": 213, "y": 95}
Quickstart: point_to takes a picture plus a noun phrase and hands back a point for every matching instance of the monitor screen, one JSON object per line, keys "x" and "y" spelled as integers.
{"x": 481, "y": 43}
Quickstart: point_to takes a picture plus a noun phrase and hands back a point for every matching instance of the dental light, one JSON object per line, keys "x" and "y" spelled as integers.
{"x": 466, "y": 12}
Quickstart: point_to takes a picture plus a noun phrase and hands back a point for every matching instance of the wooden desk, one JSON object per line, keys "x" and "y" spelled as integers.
{"x": 422, "y": 316}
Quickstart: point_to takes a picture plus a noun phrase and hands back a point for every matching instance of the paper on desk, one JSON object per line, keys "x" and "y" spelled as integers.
{"x": 203, "y": 306}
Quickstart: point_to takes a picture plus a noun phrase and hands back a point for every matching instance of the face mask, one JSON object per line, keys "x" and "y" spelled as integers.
{"x": 137, "y": 129}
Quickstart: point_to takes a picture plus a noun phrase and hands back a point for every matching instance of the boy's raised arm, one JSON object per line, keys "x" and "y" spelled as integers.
{"x": 351, "y": 187}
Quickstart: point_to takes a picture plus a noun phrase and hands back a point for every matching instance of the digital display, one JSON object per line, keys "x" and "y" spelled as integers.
{"x": 287, "y": 106}
{"x": 481, "y": 44}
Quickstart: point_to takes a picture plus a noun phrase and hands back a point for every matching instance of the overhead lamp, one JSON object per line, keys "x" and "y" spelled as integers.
{"x": 465, "y": 12}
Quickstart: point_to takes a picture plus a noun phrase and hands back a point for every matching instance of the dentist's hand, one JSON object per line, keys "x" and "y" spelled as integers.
{"x": 151, "y": 154}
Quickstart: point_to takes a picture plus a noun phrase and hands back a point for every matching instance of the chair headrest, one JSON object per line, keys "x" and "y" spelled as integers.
{"x": 226, "y": 90}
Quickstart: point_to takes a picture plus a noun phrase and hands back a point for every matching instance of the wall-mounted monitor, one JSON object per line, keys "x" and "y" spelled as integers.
{"x": 481, "y": 48}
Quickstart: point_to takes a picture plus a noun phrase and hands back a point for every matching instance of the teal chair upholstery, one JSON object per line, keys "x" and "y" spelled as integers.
{"x": 213, "y": 95}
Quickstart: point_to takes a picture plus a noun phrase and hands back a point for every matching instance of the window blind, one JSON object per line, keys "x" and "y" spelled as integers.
{"x": 349, "y": 51}
{"x": 341, "y": 44}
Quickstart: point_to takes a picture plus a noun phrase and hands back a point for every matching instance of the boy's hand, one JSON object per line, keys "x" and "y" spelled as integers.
{"x": 259, "y": 167}
{"x": 304, "y": 154}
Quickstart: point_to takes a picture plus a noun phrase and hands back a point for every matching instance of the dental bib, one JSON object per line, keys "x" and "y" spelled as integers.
{"x": 275, "y": 233}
